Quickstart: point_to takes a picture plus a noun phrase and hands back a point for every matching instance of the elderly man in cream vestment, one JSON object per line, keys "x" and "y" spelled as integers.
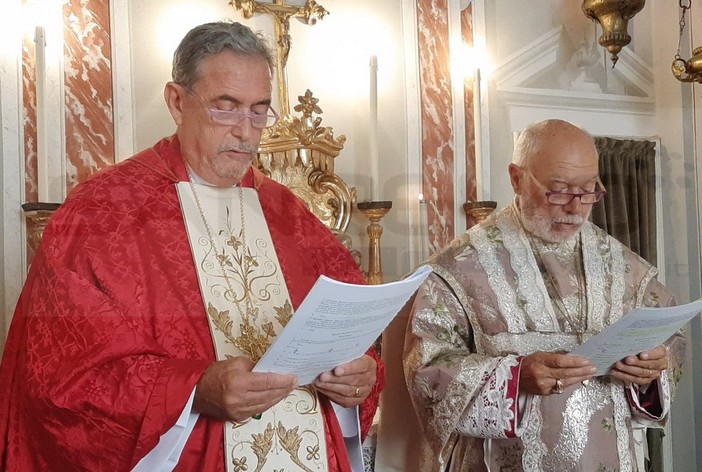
{"x": 485, "y": 355}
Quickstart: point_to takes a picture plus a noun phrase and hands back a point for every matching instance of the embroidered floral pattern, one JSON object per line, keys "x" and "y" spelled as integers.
{"x": 247, "y": 305}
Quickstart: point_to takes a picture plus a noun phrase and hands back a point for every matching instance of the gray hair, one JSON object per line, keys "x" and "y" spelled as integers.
{"x": 211, "y": 39}
{"x": 531, "y": 139}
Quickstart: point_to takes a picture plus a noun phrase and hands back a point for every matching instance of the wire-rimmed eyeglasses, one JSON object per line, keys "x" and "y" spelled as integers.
{"x": 564, "y": 198}
{"x": 233, "y": 117}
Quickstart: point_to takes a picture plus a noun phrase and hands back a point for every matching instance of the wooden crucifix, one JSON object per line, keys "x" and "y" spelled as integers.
{"x": 310, "y": 12}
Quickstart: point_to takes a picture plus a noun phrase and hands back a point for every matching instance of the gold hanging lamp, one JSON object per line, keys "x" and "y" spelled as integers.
{"x": 687, "y": 70}
{"x": 613, "y": 16}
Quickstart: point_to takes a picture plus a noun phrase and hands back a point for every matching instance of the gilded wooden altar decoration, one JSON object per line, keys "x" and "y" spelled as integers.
{"x": 299, "y": 153}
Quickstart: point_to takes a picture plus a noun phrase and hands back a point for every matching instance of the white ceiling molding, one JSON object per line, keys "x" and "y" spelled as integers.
{"x": 544, "y": 57}
{"x": 534, "y": 58}
{"x": 635, "y": 71}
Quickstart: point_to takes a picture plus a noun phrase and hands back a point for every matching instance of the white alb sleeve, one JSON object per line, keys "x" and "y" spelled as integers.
{"x": 164, "y": 457}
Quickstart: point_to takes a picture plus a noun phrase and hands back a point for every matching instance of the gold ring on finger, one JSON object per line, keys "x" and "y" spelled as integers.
{"x": 558, "y": 388}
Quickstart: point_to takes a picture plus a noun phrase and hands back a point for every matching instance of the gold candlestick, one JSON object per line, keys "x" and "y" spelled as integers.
{"x": 478, "y": 211}
{"x": 37, "y": 216}
{"x": 374, "y": 211}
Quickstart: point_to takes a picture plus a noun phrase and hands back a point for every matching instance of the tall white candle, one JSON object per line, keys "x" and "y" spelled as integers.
{"x": 477, "y": 127}
{"x": 40, "y": 83}
{"x": 373, "y": 129}
{"x": 423, "y": 228}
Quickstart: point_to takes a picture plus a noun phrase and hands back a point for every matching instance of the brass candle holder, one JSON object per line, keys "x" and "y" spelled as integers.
{"x": 37, "y": 215}
{"x": 478, "y": 211}
{"x": 374, "y": 211}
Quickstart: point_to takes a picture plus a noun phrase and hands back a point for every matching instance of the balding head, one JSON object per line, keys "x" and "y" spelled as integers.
{"x": 542, "y": 140}
{"x": 553, "y": 156}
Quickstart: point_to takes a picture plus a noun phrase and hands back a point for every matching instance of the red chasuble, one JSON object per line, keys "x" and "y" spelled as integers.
{"x": 110, "y": 335}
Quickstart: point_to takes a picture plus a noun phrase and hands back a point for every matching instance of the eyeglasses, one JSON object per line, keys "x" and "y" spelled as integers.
{"x": 564, "y": 198}
{"x": 233, "y": 117}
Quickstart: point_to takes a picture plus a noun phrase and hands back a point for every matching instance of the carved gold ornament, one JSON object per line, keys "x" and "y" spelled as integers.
{"x": 299, "y": 153}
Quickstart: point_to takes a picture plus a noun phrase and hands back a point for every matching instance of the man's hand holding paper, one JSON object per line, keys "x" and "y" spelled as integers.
{"x": 643, "y": 368}
{"x": 229, "y": 390}
{"x": 632, "y": 348}
{"x": 348, "y": 384}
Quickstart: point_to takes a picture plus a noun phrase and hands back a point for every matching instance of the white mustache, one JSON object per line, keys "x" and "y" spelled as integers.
{"x": 237, "y": 147}
{"x": 571, "y": 219}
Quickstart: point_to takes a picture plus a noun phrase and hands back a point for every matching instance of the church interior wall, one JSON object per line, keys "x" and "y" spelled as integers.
{"x": 3, "y": 321}
{"x": 12, "y": 169}
{"x": 677, "y": 124}
{"x": 639, "y": 98}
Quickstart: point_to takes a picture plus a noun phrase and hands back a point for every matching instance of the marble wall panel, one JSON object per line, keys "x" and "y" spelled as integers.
{"x": 87, "y": 95}
{"x": 437, "y": 120}
{"x": 88, "y": 89}
{"x": 29, "y": 125}
{"x": 29, "y": 116}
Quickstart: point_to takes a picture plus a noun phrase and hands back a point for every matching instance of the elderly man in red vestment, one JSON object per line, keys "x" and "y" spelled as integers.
{"x": 134, "y": 339}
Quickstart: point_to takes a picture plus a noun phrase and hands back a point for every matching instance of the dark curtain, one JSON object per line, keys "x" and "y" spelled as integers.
{"x": 628, "y": 212}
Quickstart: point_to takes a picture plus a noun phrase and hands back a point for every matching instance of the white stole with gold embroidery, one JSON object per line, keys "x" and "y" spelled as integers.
{"x": 247, "y": 305}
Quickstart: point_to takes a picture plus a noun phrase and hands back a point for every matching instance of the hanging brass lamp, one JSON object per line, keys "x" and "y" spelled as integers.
{"x": 613, "y": 16}
{"x": 687, "y": 70}
{"x": 690, "y": 70}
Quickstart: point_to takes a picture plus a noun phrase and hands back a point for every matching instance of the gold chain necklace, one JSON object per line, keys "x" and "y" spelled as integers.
{"x": 251, "y": 341}
{"x": 578, "y": 321}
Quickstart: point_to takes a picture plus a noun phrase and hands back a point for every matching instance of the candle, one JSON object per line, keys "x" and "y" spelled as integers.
{"x": 373, "y": 128}
{"x": 477, "y": 127}
{"x": 423, "y": 228}
{"x": 40, "y": 81}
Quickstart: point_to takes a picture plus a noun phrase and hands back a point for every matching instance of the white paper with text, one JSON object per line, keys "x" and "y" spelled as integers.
{"x": 336, "y": 323}
{"x": 642, "y": 329}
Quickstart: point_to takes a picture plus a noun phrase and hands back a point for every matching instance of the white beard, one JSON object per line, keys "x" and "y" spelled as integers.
{"x": 538, "y": 223}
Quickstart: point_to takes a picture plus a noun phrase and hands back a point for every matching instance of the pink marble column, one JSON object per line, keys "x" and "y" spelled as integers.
{"x": 87, "y": 96}
{"x": 88, "y": 89}
{"x": 468, "y": 87}
{"x": 437, "y": 120}
{"x": 29, "y": 113}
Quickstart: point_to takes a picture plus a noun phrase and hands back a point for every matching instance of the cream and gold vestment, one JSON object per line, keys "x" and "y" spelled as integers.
{"x": 248, "y": 305}
{"x": 498, "y": 294}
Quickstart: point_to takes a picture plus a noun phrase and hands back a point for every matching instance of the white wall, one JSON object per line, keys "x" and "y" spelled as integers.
{"x": 675, "y": 115}
{"x": 11, "y": 234}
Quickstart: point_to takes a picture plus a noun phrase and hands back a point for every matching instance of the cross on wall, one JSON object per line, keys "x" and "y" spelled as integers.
{"x": 281, "y": 12}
